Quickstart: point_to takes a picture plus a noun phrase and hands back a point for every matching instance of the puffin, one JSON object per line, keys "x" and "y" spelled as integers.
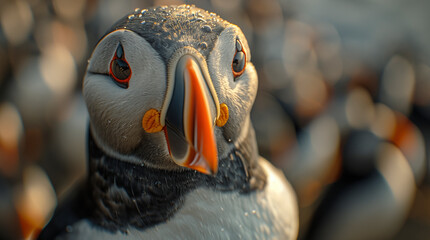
{"x": 172, "y": 152}
{"x": 367, "y": 201}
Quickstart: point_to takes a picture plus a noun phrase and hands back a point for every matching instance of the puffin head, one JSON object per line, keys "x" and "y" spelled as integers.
{"x": 170, "y": 87}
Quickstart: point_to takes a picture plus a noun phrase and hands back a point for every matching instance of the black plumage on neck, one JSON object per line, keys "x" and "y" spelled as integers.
{"x": 127, "y": 194}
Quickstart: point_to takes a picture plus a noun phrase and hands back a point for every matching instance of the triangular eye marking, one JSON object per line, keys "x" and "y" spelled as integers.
{"x": 239, "y": 60}
{"x": 119, "y": 69}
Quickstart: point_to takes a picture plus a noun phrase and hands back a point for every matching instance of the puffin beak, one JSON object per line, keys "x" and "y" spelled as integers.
{"x": 189, "y": 123}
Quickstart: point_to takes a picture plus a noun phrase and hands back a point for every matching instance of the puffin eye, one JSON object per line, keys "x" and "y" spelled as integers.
{"x": 239, "y": 60}
{"x": 119, "y": 69}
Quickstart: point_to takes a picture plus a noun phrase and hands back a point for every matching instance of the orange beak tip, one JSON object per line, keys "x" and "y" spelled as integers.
{"x": 204, "y": 166}
{"x": 205, "y": 170}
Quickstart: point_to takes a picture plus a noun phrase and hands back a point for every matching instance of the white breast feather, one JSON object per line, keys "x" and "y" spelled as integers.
{"x": 207, "y": 214}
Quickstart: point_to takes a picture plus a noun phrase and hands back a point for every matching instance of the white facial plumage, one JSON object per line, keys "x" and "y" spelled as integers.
{"x": 116, "y": 113}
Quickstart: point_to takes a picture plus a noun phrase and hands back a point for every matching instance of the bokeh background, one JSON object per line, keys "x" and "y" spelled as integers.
{"x": 343, "y": 107}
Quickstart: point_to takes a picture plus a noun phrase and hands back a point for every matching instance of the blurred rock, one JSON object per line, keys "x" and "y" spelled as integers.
{"x": 10, "y": 140}
{"x": 35, "y": 200}
{"x": 9, "y": 223}
{"x": 16, "y": 21}
{"x": 397, "y": 85}
{"x": 43, "y": 84}
{"x": 66, "y": 161}
{"x": 274, "y": 129}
